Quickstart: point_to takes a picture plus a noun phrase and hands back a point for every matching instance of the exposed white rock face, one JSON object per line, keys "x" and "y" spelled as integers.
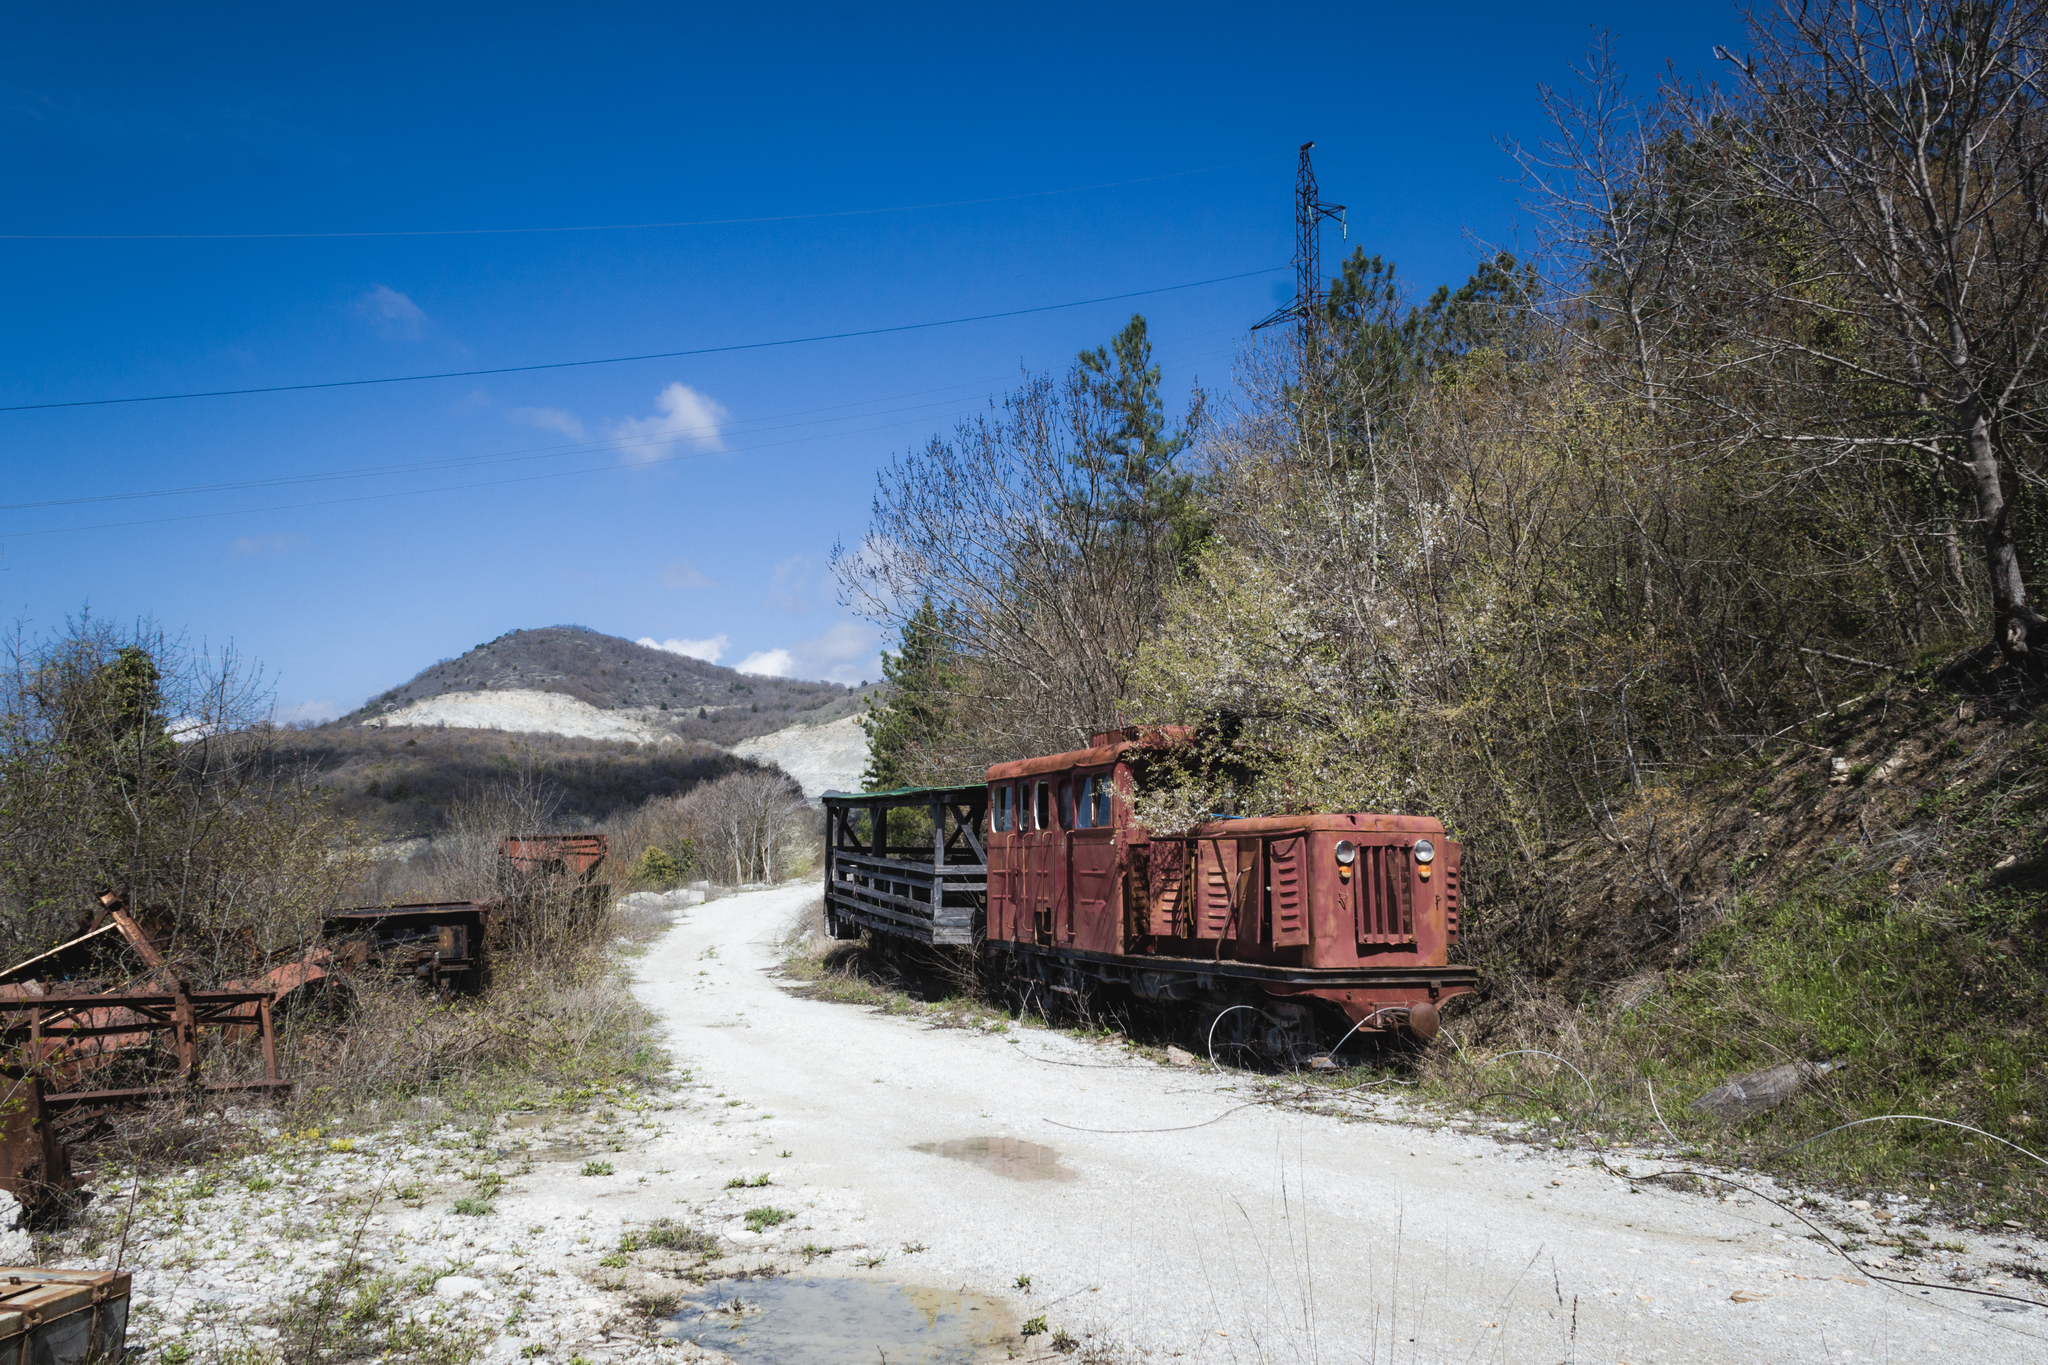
{"x": 526, "y": 712}
{"x": 822, "y": 758}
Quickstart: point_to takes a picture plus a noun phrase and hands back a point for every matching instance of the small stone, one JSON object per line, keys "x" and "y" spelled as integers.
{"x": 457, "y": 1287}
{"x": 1737, "y": 1099}
{"x": 1863, "y": 1204}
{"x": 1181, "y": 1057}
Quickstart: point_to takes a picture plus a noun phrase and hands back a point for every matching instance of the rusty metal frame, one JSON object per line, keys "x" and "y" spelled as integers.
{"x": 43, "y": 1031}
{"x": 52, "y": 1036}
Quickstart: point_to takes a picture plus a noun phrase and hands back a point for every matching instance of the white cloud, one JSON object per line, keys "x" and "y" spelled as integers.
{"x": 686, "y": 417}
{"x": 315, "y": 711}
{"x": 552, "y": 419}
{"x": 710, "y": 651}
{"x": 391, "y": 312}
{"x": 769, "y": 663}
{"x": 845, "y": 653}
{"x": 683, "y": 574}
{"x": 264, "y": 547}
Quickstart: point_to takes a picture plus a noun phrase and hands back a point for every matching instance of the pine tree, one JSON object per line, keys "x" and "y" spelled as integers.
{"x": 1154, "y": 497}
{"x": 922, "y": 680}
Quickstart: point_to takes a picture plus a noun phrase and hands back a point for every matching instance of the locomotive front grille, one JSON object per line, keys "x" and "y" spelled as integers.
{"x": 1386, "y": 894}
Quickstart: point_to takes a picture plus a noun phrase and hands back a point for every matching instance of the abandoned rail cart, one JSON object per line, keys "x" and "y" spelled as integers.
{"x": 1350, "y": 917}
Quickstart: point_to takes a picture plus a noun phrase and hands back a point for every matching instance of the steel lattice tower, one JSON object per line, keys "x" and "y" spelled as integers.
{"x": 1310, "y": 212}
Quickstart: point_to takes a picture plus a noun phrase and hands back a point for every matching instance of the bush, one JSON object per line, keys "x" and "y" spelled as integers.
{"x": 658, "y": 868}
{"x": 135, "y": 767}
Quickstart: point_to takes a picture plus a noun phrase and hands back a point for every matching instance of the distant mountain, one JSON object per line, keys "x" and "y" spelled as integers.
{"x": 647, "y": 693}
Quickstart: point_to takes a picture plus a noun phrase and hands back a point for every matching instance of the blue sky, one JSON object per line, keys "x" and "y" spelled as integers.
{"x": 1047, "y": 155}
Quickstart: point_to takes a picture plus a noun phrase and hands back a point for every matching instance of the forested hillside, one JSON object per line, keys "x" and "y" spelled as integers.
{"x": 1604, "y": 557}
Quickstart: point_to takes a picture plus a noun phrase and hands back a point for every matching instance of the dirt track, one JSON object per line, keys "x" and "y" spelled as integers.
{"x": 1193, "y": 1228}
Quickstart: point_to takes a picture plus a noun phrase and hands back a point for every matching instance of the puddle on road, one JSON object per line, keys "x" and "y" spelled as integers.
{"x": 1010, "y": 1158}
{"x": 841, "y": 1322}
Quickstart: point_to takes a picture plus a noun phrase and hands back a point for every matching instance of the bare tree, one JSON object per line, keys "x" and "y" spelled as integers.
{"x": 747, "y": 826}
{"x": 1885, "y": 291}
{"x": 1046, "y": 550}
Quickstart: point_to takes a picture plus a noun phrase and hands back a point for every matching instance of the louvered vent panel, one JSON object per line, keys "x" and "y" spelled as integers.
{"x": 1217, "y": 871}
{"x": 1451, "y": 923}
{"x": 1287, "y": 875}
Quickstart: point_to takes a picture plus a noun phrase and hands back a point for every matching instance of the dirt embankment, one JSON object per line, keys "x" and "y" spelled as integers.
{"x": 1871, "y": 898}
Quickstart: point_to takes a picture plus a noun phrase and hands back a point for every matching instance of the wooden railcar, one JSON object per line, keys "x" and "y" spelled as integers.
{"x": 1347, "y": 916}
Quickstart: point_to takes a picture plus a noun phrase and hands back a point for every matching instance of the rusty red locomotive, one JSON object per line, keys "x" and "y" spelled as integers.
{"x": 1278, "y": 929}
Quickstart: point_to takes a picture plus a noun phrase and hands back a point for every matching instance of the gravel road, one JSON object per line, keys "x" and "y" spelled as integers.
{"x": 1177, "y": 1224}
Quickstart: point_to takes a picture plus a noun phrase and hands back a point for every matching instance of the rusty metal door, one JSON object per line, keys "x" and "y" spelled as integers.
{"x": 1091, "y": 860}
{"x": 1002, "y": 905}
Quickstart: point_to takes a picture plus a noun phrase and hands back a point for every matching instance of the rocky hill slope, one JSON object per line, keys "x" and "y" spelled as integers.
{"x": 606, "y": 723}
{"x": 648, "y": 692}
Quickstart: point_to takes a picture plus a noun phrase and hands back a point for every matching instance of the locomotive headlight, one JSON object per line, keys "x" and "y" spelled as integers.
{"x": 1347, "y": 852}
{"x": 1425, "y": 851}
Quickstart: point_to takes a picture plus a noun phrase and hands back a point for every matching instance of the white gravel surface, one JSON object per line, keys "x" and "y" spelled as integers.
{"x": 1194, "y": 1231}
{"x": 1200, "y": 1222}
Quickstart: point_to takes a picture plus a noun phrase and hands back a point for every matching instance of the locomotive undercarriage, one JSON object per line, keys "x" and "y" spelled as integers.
{"x": 1232, "y": 1007}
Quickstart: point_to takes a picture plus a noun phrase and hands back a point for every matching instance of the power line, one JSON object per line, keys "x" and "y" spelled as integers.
{"x": 746, "y": 426}
{"x": 630, "y": 359}
{"x": 607, "y": 227}
{"x": 663, "y": 439}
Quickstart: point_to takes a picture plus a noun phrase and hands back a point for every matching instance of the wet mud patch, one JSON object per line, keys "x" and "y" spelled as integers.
{"x": 841, "y": 1322}
{"x": 1010, "y": 1158}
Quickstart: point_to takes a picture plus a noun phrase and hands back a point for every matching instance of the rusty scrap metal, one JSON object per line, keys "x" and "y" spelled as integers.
{"x": 62, "y": 1317}
{"x": 555, "y": 856}
{"x": 440, "y": 944}
{"x": 66, "y": 1037}
{"x": 34, "y": 1166}
{"x": 51, "y": 1041}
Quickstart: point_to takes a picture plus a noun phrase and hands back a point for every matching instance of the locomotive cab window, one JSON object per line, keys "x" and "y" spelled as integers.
{"x": 1067, "y": 805}
{"x": 1041, "y": 812}
{"x": 1092, "y": 810}
{"x": 999, "y": 810}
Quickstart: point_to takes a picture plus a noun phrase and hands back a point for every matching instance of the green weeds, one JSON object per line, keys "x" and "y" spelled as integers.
{"x": 665, "y": 1234}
